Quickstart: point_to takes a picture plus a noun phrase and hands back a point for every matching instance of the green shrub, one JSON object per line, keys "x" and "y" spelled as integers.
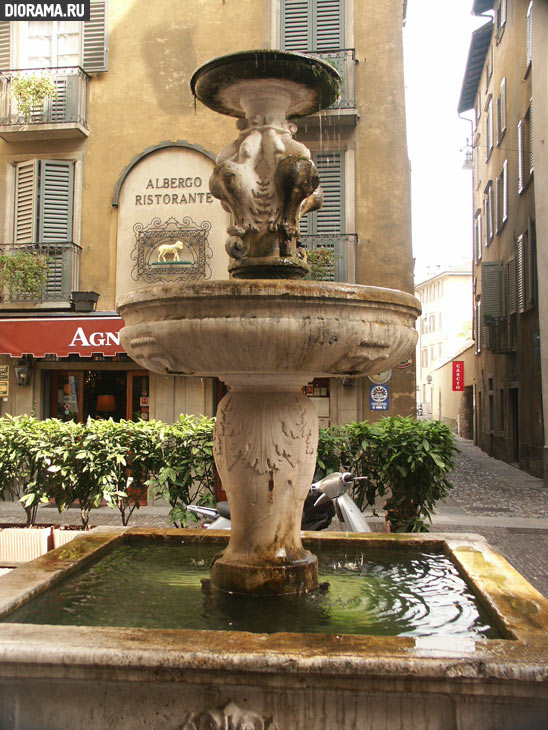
{"x": 187, "y": 473}
{"x": 406, "y": 462}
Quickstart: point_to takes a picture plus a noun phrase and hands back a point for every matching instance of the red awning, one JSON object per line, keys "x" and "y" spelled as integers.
{"x": 61, "y": 336}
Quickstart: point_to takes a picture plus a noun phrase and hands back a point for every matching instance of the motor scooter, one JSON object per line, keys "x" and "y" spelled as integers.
{"x": 326, "y": 499}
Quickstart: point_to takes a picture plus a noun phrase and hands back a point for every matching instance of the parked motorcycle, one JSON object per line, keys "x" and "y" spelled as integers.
{"x": 326, "y": 499}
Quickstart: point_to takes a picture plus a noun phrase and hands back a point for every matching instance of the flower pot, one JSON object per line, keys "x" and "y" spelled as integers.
{"x": 21, "y": 544}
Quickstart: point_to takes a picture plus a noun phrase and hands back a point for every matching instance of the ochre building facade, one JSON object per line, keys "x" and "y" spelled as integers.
{"x": 104, "y": 181}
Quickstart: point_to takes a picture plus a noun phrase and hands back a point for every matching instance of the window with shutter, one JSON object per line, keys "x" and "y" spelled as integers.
{"x": 477, "y": 327}
{"x": 477, "y": 237}
{"x": 43, "y": 201}
{"x": 525, "y": 150}
{"x": 56, "y": 201}
{"x": 491, "y": 289}
{"x": 500, "y": 18}
{"x": 501, "y": 112}
{"x": 531, "y": 258}
{"x": 5, "y": 45}
{"x": 488, "y": 213}
{"x": 95, "y": 38}
{"x": 521, "y": 273}
{"x": 529, "y": 34}
{"x": 489, "y": 128}
{"x": 53, "y": 44}
{"x": 330, "y": 218}
{"x": 26, "y": 199}
{"x": 43, "y": 218}
{"x": 504, "y": 183}
{"x": 312, "y": 25}
{"x": 511, "y": 278}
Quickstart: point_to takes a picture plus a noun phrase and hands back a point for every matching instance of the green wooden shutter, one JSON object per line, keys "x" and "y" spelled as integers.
{"x": 56, "y": 201}
{"x": 296, "y": 30}
{"x": 511, "y": 275}
{"x": 56, "y": 198}
{"x": 64, "y": 108}
{"x": 95, "y": 38}
{"x": 312, "y": 25}
{"x": 330, "y": 217}
{"x": 26, "y": 193}
{"x": 5, "y": 45}
{"x": 491, "y": 294}
{"x": 328, "y": 25}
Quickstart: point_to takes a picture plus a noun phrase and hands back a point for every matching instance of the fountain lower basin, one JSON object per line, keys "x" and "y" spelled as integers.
{"x": 105, "y": 677}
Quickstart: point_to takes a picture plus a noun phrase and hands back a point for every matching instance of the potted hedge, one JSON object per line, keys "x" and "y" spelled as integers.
{"x": 31, "y": 91}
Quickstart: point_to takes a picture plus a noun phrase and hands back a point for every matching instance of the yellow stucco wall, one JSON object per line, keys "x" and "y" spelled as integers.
{"x": 144, "y": 99}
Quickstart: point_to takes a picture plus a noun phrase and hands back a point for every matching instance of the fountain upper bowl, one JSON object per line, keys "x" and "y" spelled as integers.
{"x": 311, "y": 83}
{"x": 288, "y": 329}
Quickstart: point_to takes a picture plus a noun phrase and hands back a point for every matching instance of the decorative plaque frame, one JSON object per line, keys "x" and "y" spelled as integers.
{"x": 171, "y": 251}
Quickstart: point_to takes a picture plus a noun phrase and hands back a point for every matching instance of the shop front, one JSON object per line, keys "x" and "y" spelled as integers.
{"x": 71, "y": 368}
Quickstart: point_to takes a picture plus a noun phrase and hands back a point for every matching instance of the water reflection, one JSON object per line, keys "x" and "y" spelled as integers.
{"x": 378, "y": 592}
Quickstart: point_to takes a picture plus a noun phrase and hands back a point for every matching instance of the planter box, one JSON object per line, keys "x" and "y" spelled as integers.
{"x": 21, "y": 544}
{"x": 61, "y": 537}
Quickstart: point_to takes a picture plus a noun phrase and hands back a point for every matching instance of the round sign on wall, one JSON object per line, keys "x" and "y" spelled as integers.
{"x": 381, "y": 378}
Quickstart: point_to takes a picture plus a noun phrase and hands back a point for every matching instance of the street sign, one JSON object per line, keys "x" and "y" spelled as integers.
{"x": 379, "y": 397}
{"x": 458, "y": 375}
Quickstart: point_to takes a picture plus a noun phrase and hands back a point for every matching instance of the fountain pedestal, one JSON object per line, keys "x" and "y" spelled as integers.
{"x": 265, "y": 442}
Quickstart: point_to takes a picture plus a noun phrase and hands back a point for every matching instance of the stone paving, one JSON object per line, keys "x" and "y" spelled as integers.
{"x": 505, "y": 505}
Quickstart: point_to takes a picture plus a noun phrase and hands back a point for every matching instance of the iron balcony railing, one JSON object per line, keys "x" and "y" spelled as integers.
{"x": 344, "y": 60}
{"x": 341, "y": 264}
{"x": 62, "y": 262}
{"x": 69, "y": 104}
{"x": 500, "y": 335}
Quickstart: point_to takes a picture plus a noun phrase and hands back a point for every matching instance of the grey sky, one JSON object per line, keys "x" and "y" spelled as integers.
{"x": 436, "y": 40}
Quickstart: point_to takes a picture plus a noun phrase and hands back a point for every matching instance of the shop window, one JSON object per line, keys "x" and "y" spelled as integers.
{"x": 80, "y": 394}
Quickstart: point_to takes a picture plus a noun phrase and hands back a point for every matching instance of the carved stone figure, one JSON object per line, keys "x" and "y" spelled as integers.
{"x": 230, "y": 716}
{"x": 267, "y": 180}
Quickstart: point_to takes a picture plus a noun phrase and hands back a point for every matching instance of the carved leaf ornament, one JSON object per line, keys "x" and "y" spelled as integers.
{"x": 231, "y": 717}
{"x": 269, "y": 443}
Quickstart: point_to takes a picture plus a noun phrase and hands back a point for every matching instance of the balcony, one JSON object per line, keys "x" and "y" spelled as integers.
{"x": 59, "y": 117}
{"x": 344, "y": 111}
{"x": 500, "y": 335}
{"x": 62, "y": 262}
{"x": 341, "y": 265}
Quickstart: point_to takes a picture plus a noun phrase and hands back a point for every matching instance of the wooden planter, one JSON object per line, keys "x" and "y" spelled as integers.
{"x": 21, "y": 544}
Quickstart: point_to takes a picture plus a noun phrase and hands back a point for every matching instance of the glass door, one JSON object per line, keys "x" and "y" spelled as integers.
{"x": 66, "y": 396}
{"x": 138, "y": 405}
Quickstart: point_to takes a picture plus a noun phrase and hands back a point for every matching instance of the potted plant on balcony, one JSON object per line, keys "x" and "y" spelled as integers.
{"x": 31, "y": 91}
{"x": 22, "y": 272}
{"x": 322, "y": 261}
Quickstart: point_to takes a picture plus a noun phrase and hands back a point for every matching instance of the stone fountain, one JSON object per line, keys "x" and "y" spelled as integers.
{"x": 266, "y": 333}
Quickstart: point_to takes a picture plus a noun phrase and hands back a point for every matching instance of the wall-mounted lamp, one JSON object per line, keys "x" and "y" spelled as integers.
{"x": 23, "y": 372}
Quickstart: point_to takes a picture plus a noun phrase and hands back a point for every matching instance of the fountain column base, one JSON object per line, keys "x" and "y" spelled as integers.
{"x": 265, "y": 444}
